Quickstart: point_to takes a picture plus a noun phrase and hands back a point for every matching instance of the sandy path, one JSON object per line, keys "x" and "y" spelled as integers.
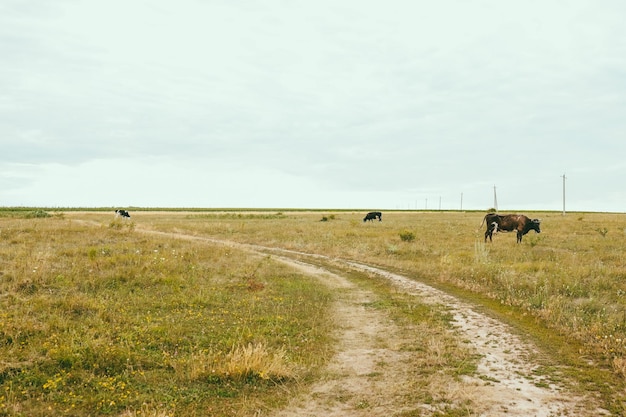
{"x": 505, "y": 384}
{"x": 369, "y": 351}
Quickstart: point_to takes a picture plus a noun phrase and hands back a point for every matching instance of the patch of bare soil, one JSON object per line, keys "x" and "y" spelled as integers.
{"x": 368, "y": 375}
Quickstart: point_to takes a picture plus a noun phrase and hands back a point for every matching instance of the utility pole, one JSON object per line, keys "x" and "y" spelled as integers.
{"x": 563, "y": 176}
{"x": 461, "y": 201}
{"x": 495, "y": 199}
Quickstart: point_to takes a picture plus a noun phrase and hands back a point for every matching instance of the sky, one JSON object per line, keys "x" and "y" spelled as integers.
{"x": 396, "y": 104}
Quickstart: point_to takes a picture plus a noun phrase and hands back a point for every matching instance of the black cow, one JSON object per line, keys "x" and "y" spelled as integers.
{"x": 122, "y": 213}
{"x": 373, "y": 215}
{"x": 508, "y": 223}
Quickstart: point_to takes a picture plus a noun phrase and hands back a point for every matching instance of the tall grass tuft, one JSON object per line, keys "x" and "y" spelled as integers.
{"x": 241, "y": 363}
{"x": 481, "y": 253}
{"x": 256, "y": 360}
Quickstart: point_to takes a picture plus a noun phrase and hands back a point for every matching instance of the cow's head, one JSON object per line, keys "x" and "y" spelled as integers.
{"x": 535, "y": 225}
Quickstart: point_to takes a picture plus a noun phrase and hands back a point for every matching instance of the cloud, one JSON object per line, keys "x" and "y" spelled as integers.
{"x": 398, "y": 100}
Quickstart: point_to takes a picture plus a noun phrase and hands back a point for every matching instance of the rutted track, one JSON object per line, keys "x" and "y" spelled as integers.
{"x": 506, "y": 384}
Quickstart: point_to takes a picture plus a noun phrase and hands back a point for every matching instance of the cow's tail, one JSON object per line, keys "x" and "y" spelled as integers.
{"x": 483, "y": 222}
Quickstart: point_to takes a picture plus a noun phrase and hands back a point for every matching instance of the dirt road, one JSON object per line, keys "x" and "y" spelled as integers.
{"x": 504, "y": 386}
{"x": 368, "y": 376}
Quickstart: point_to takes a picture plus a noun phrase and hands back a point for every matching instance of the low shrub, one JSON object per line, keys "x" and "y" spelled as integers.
{"x": 407, "y": 236}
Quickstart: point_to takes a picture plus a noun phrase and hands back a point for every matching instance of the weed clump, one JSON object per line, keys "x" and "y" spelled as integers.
{"x": 37, "y": 214}
{"x": 242, "y": 363}
{"x": 121, "y": 224}
{"x": 407, "y": 236}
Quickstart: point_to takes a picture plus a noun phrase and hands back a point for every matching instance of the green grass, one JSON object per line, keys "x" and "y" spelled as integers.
{"x": 108, "y": 320}
{"x": 570, "y": 279}
{"x": 97, "y": 321}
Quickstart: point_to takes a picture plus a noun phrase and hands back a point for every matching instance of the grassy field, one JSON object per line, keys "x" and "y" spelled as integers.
{"x": 101, "y": 318}
{"x": 566, "y": 286}
{"x": 97, "y": 321}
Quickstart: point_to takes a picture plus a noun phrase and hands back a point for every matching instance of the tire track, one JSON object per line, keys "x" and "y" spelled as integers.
{"x": 506, "y": 384}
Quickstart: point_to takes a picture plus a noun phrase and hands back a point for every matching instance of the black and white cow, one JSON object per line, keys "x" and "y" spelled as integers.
{"x": 122, "y": 213}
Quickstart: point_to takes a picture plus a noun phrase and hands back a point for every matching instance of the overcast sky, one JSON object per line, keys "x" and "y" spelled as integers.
{"x": 313, "y": 104}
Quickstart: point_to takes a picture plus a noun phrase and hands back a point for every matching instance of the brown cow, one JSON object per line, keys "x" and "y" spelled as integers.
{"x": 508, "y": 223}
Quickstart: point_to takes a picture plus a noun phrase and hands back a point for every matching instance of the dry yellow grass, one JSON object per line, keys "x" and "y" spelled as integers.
{"x": 254, "y": 360}
{"x": 571, "y": 277}
{"x": 567, "y": 282}
{"x": 108, "y": 304}
{"x": 99, "y": 320}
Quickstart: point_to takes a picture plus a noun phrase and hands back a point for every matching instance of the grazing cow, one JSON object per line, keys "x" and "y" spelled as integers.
{"x": 373, "y": 215}
{"x": 122, "y": 213}
{"x": 508, "y": 223}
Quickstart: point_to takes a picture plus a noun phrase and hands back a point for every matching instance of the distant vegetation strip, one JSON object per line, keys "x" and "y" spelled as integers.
{"x": 237, "y": 216}
{"x": 176, "y": 209}
{"x": 5, "y": 209}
